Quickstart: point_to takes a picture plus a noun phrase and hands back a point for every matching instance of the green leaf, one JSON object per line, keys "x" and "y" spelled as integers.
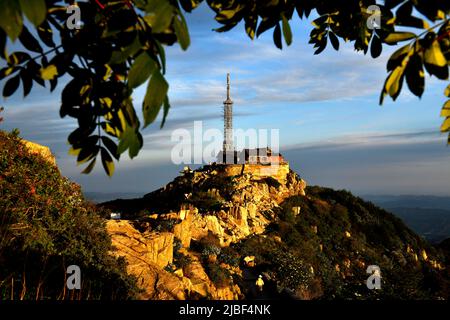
{"x": 376, "y": 47}
{"x": 3, "y": 40}
{"x": 433, "y": 55}
{"x": 287, "y": 32}
{"x": 228, "y": 14}
{"x": 445, "y": 112}
{"x": 27, "y": 82}
{"x": 415, "y": 76}
{"x": 166, "y": 111}
{"x": 398, "y": 57}
{"x": 250, "y": 25}
{"x": 35, "y": 10}
{"x": 265, "y": 25}
{"x": 107, "y": 162}
{"x": 6, "y": 71}
{"x": 318, "y": 23}
{"x": 395, "y": 37}
{"x": 130, "y": 139}
{"x": 181, "y": 31}
{"x": 321, "y": 45}
{"x": 334, "y": 41}
{"x": 87, "y": 152}
{"x": 18, "y": 57}
{"x": 29, "y": 41}
{"x": 277, "y": 36}
{"x": 393, "y": 84}
{"x": 46, "y": 34}
{"x": 129, "y": 114}
{"x": 435, "y": 61}
{"x": 227, "y": 27}
{"x": 111, "y": 146}
{"x": 405, "y": 18}
{"x": 11, "y": 18}
{"x": 162, "y": 55}
{"x": 123, "y": 54}
{"x": 11, "y": 86}
{"x": 140, "y": 70}
{"x": 445, "y": 125}
{"x": 89, "y": 168}
{"x": 188, "y": 5}
{"x": 160, "y": 15}
{"x": 156, "y": 92}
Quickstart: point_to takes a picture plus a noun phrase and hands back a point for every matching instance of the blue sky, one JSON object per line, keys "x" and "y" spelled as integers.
{"x": 332, "y": 129}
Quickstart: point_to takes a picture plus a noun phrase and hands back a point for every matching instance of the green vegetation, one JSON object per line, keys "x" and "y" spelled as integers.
{"x": 180, "y": 260}
{"x": 324, "y": 251}
{"x": 206, "y": 202}
{"x": 121, "y": 45}
{"x": 220, "y": 276}
{"x": 229, "y": 256}
{"x": 45, "y": 226}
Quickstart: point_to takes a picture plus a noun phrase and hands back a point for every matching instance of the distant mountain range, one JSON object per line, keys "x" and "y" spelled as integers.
{"x": 429, "y": 216}
{"x": 98, "y": 197}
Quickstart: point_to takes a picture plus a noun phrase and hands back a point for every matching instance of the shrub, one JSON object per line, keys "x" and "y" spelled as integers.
{"x": 229, "y": 256}
{"x": 180, "y": 260}
{"x": 272, "y": 182}
{"x": 210, "y": 250}
{"x": 45, "y": 226}
{"x": 221, "y": 277}
{"x": 165, "y": 225}
{"x": 206, "y": 202}
{"x": 291, "y": 271}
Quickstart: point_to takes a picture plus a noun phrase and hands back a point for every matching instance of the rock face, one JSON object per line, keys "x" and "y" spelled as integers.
{"x": 183, "y": 230}
{"x": 41, "y": 150}
{"x": 153, "y": 248}
{"x": 148, "y": 255}
{"x": 233, "y": 207}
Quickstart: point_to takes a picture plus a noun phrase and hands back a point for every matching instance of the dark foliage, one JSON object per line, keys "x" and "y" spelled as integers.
{"x": 45, "y": 226}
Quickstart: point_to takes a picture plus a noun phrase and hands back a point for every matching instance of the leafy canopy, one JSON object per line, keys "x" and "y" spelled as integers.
{"x": 120, "y": 46}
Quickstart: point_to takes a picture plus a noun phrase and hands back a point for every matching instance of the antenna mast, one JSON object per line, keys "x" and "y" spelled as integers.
{"x": 228, "y": 120}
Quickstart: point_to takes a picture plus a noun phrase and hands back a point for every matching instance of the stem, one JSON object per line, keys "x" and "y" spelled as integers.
{"x": 428, "y": 30}
{"x": 432, "y": 28}
{"x": 40, "y": 55}
{"x": 47, "y": 52}
{"x": 55, "y": 23}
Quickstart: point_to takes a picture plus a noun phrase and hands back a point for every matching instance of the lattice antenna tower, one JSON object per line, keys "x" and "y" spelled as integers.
{"x": 228, "y": 120}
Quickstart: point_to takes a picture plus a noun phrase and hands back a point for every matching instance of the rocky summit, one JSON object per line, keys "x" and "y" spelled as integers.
{"x": 212, "y": 232}
{"x": 205, "y": 208}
